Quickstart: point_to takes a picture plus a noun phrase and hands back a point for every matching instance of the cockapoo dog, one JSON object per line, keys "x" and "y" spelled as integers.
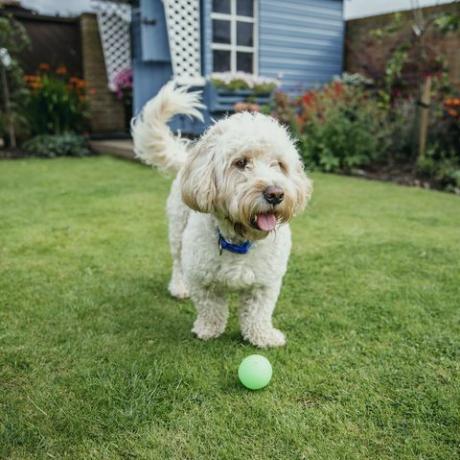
{"x": 236, "y": 189}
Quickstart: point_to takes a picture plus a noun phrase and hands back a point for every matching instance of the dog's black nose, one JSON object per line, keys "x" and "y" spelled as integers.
{"x": 273, "y": 195}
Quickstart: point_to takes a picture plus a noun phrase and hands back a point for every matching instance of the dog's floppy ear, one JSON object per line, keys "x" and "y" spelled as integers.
{"x": 198, "y": 178}
{"x": 304, "y": 187}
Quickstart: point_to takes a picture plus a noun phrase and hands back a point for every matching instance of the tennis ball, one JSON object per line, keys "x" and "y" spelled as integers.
{"x": 255, "y": 372}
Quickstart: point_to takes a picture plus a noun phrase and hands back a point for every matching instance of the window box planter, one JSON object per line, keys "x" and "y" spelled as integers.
{"x": 223, "y": 100}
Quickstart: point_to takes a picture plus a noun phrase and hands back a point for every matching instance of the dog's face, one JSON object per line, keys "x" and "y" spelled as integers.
{"x": 246, "y": 169}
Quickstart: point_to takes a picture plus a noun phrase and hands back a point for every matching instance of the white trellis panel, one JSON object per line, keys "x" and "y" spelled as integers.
{"x": 183, "y": 22}
{"x": 114, "y": 27}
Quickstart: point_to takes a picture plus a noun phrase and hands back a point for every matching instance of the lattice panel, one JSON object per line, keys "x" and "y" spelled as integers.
{"x": 114, "y": 27}
{"x": 183, "y": 21}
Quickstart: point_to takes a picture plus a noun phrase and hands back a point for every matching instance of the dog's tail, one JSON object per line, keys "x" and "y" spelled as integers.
{"x": 154, "y": 143}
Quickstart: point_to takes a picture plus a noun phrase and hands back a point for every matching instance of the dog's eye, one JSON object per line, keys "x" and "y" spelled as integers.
{"x": 280, "y": 165}
{"x": 241, "y": 163}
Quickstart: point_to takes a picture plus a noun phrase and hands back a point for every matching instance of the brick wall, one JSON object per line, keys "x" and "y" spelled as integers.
{"x": 106, "y": 111}
{"x": 357, "y": 31}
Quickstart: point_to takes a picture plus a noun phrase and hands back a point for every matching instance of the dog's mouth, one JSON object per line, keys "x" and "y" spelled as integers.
{"x": 265, "y": 222}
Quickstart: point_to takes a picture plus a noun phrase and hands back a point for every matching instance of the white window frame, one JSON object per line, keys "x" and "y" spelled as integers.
{"x": 233, "y": 47}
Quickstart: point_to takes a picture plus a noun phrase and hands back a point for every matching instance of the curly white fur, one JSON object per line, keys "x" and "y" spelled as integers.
{"x": 222, "y": 184}
{"x": 154, "y": 143}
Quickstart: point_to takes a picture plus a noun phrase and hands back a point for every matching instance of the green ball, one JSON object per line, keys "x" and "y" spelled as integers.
{"x": 255, "y": 372}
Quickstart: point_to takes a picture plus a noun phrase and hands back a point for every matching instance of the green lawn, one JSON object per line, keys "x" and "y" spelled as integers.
{"x": 97, "y": 361}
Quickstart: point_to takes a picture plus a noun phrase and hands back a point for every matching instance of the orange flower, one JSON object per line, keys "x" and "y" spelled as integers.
{"x": 36, "y": 84}
{"x": 44, "y": 66}
{"x": 33, "y": 81}
{"x": 452, "y": 102}
{"x": 61, "y": 70}
{"x": 31, "y": 78}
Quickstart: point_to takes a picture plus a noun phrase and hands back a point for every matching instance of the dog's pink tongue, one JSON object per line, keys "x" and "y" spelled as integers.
{"x": 266, "y": 222}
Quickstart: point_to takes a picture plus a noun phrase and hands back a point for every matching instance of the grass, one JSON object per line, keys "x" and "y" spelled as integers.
{"x": 97, "y": 361}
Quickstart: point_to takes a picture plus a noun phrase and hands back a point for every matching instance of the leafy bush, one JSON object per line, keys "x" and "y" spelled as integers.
{"x": 340, "y": 128}
{"x": 347, "y": 125}
{"x": 441, "y": 163}
{"x": 57, "y": 145}
{"x": 57, "y": 104}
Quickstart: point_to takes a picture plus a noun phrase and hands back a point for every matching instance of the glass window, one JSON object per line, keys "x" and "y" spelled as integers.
{"x": 220, "y": 31}
{"x": 244, "y": 62}
{"x": 244, "y": 33}
{"x": 221, "y": 60}
{"x": 234, "y": 29}
{"x": 245, "y": 8}
{"x": 221, "y": 6}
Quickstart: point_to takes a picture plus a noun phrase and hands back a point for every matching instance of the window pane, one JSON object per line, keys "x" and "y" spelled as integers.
{"x": 221, "y": 6}
{"x": 244, "y": 33}
{"x": 244, "y": 62}
{"x": 221, "y": 60}
{"x": 245, "y": 8}
{"x": 220, "y": 31}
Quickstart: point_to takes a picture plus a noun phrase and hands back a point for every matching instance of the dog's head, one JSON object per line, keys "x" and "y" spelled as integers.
{"x": 247, "y": 170}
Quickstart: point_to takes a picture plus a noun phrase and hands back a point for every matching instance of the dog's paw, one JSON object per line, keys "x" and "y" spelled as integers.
{"x": 178, "y": 290}
{"x": 207, "y": 331}
{"x": 266, "y": 338}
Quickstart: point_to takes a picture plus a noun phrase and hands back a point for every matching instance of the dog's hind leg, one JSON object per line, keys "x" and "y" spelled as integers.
{"x": 178, "y": 215}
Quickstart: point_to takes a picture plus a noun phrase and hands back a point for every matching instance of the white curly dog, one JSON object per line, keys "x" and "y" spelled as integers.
{"x": 235, "y": 191}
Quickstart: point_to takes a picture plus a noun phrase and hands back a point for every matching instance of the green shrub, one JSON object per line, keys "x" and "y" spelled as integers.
{"x": 57, "y": 103}
{"x": 340, "y": 128}
{"x": 57, "y": 145}
{"x": 440, "y": 167}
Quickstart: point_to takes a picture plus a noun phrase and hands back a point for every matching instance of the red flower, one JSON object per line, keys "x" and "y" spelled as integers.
{"x": 309, "y": 98}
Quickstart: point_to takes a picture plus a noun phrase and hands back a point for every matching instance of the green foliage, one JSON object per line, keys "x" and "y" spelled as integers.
{"x": 441, "y": 167}
{"x": 394, "y": 66}
{"x": 340, "y": 128}
{"x": 13, "y": 37}
{"x": 57, "y": 104}
{"x": 448, "y": 22}
{"x": 354, "y": 79}
{"x": 445, "y": 172}
{"x": 57, "y": 145}
{"x": 346, "y": 126}
{"x": 399, "y": 55}
{"x": 97, "y": 360}
{"x": 239, "y": 84}
{"x": 394, "y": 26}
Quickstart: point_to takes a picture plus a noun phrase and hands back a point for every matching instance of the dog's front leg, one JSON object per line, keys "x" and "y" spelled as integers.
{"x": 212, "y": 312}
{"x": 256, "y": 317}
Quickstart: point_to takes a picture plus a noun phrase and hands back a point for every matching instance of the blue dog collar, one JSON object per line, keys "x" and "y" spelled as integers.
{"x": 242, "y": 248}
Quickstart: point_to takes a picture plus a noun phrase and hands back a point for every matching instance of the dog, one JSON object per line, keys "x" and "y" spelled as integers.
{"x": 235, "y": 191}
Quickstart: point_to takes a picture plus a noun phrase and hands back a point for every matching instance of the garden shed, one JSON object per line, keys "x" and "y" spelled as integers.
{"x": 297, "y": 42}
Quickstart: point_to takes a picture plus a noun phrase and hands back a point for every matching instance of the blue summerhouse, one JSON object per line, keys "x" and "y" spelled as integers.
{"x": 297, "y": 42}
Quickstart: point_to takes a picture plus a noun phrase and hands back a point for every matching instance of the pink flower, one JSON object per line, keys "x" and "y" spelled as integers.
{"x": 123, "y": 81}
